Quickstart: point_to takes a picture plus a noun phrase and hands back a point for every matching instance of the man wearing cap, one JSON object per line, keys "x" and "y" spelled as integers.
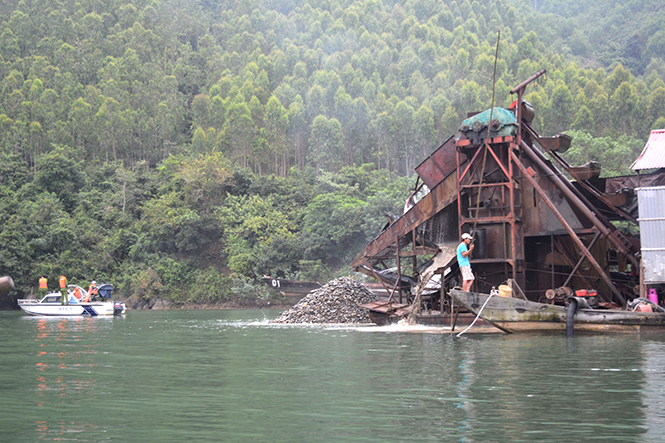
{"x": 92, "y": 291}
{"x": 463, "y": 252}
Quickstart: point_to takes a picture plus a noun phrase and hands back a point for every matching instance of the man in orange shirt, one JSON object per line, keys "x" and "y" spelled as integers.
{"x": 92, "y": 291}
{"x": 63, "y": 290}
{"x": 43, "y": 287}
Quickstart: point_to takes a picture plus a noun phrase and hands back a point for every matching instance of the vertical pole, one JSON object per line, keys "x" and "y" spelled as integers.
{"x": 452, "y": 308}
{"x": 518, "y": 115}
{"x": 513, "y": 219}
{"x": 643, "y": 292}
{"x": 413, "y": 241}
{"x": 441, "y": 293}
{"x": 399, "y": 271}
{"x": 459, "y": 192}
{"x": 552, "y": 255}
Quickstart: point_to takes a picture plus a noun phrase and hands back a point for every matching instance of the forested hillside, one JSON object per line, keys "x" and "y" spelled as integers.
{"x": 182, "y": 148}
{"x": 630, "y": 32}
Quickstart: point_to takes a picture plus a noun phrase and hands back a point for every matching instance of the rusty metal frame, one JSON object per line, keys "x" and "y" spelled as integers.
{"x": 495, "y": 146}
{"x": 391, "y": 292}
{"x": 581, "y": 260}
{"x": 571, "y": 262}
{"x": 598, "y": 220}
{"x": 584, "y": 183}
{"x": 516, "y": 157}
{"x": 569, "y": 229}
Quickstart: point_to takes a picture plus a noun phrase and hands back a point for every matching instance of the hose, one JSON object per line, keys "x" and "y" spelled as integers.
{"x": 570, "y": 317}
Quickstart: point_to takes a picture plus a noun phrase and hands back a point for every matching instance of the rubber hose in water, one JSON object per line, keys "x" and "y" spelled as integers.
{"x": 570, "y": 317}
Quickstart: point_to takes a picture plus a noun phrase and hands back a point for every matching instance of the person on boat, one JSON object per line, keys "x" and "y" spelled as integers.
{"x": 92, "y": 290}
{"x": 63, "y": 290}
{"x": 43, "y": 287}
{"x": 463, "y": 252}
{"x": 77, "y": 293}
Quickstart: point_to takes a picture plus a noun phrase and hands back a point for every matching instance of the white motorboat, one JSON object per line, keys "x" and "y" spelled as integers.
{"x": 79, "y": 303}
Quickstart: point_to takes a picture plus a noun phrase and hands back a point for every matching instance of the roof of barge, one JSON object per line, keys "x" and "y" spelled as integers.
{"x": 653, "y": 154}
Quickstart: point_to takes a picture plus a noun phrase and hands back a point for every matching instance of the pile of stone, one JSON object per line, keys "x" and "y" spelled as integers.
{"x": 336, "y": 302}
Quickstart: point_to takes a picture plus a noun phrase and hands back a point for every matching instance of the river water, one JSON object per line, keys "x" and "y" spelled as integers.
{"x": 230, "y": 376}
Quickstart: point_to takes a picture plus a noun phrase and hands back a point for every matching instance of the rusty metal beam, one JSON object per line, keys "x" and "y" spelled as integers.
{"x": 594, "y": 191}
{"x": 565, "y": 224}
{"x": 516, "y": 232}
{"x": 522, "y": 85}
{"x": 564, "y": 253}
{"x": 390, "y": 292}
{"x": 581, "y": 260}
{"x": 438, "y": 198}
{"x": 399, "y": 272}
{"x": 608, "y": 230}
{"x": 584, "y": 183}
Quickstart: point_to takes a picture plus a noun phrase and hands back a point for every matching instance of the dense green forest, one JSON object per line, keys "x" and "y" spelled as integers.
{"x": 181, "y": 149}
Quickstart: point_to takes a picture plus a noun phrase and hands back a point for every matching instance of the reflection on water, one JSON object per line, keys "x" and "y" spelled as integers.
{"x": 233, "y": 376}
{"x": 65, "y": 367}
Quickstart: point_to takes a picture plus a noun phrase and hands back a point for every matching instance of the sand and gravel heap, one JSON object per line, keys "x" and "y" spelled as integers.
{"x": 336, "y": 302}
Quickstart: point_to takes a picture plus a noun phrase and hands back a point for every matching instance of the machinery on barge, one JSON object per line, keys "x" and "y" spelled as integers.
{"x": 541, "y": 226}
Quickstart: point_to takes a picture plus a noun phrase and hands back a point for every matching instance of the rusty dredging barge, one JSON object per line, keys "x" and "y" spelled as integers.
{"x": 540, "y": 225}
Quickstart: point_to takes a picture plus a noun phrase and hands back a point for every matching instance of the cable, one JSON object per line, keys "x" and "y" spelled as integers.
{"x": 477, "y": 316}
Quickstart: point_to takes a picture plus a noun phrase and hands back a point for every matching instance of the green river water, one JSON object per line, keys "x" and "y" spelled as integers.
{"x": 230, "y": 376}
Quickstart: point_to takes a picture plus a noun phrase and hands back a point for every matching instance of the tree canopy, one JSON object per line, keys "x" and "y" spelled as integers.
{"x": 165, "y": 145}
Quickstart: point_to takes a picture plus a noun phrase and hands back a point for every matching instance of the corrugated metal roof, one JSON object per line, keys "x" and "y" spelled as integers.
{"x": 652, "y": 226}
{"x": 653, "y": 154}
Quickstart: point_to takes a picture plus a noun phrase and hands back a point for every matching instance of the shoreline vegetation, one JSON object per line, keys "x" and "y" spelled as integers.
{"x": 163, "y": 304}
{"x": 181, "y": 151}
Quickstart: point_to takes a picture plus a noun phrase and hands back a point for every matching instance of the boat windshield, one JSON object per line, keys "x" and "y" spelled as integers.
{"x": 51, "y": 299}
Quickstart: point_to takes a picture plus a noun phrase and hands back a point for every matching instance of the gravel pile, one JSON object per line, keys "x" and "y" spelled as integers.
{"x": 336, "y": 302}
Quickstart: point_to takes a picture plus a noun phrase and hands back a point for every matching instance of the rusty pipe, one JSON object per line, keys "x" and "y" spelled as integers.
{"x": 527, "y": 81}
{"x": 571, "y": 310}
{"x": 572, "y": 197}
{"x": 582, "y": 183}
{"x": 584, "y": 201}
{"x": 567, "y": 227}
{"x": 578, "y": 200}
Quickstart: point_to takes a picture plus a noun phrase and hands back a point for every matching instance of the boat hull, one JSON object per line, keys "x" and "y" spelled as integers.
{"x": 80, "y": 309}
{"x": 516, "y": 315}
{"x": 385, "y": 313}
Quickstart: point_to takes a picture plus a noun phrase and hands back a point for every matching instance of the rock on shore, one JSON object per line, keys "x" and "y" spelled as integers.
{"x": 336, "y": 302}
